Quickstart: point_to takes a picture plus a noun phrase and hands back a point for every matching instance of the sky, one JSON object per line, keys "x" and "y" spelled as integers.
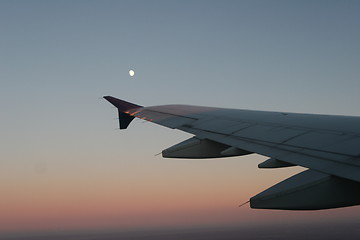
{"x": 65, "y": 166}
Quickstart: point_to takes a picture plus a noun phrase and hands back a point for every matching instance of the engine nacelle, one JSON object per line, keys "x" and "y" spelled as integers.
{"x": 309, "y": 190}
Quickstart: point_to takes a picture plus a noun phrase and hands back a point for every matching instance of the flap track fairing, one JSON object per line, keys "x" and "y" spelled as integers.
{"x": 195, "y": 148}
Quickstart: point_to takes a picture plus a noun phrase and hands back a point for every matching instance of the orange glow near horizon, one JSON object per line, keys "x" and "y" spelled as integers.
{"x": 120, "y": 184}
{"x": 188, "y": 197}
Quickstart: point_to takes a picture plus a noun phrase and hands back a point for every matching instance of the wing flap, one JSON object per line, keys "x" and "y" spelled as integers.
{"x": 297, "y": 156}
{"x": 324, "y": 162}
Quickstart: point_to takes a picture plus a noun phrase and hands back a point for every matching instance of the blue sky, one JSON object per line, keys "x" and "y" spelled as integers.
{"x": 59, "y": 57}
{"x": 281, "y": 55}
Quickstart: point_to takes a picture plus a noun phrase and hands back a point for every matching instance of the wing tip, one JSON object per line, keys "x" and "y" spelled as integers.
{"x": 121, "y": 104}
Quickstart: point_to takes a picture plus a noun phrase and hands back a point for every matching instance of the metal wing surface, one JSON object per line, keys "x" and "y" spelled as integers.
{"x": 329, "y": 146}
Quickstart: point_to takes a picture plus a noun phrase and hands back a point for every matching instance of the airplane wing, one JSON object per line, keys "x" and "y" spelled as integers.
{"x": 329, "y": 146}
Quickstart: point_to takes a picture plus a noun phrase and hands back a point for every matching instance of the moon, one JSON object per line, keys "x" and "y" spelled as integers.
{"x": 131, "y": 73}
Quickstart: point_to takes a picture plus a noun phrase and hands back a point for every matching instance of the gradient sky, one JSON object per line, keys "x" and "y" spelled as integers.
{"x": 62, "y": 164}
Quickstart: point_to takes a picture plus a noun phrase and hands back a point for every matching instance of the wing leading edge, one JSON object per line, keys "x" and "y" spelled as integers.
{"x": 328, "y": 145}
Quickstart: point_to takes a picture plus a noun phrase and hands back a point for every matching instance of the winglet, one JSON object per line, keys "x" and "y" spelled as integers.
{"x": 122, "y": 106}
